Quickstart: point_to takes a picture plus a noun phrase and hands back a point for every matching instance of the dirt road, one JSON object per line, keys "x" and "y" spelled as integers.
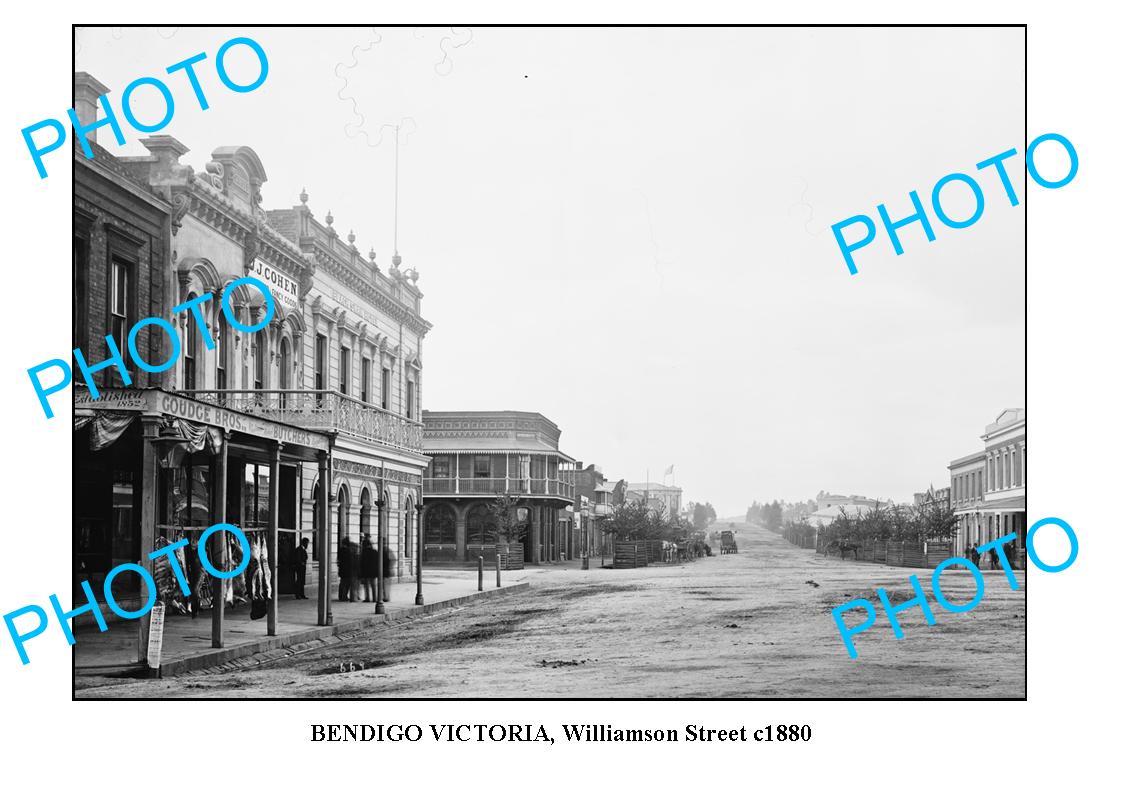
{"x": 755, "y": 624}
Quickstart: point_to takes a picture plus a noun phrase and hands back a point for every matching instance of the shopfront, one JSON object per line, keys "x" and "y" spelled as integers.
{"x": 152, "y": 468}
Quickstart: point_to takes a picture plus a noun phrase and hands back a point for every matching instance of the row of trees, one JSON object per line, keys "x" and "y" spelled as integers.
{"x": 631, "y": 521}
{"x": 775, "y": 514}
{"x": 929, "y": 522}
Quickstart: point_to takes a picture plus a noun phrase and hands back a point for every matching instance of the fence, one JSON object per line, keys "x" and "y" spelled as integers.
{"x": 629, "y": 555}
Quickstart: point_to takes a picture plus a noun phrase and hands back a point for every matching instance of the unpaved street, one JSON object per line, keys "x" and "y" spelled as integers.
{"x": 747, "y": 625}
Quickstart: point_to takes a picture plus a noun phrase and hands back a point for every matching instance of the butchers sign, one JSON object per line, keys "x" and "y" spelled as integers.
{"x": 284, "y": 289}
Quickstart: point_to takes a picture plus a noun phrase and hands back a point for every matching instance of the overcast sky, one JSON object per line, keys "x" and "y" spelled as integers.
{"x": 628, "y": 230}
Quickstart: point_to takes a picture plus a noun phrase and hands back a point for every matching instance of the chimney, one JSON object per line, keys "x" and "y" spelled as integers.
{"x": 87, "y": 89}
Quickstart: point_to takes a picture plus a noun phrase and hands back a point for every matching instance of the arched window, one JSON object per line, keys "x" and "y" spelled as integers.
{"x": 190, "y": 350}
{"x": 440, "y": 524}
{"x": 261, "y": 353}
{"x": 364, "y": 513}
{"x": 286, "y": 364}
{"x": 344, "y": 509}
{"x": 480, "y": 525}
{"x": 221, "y": 353}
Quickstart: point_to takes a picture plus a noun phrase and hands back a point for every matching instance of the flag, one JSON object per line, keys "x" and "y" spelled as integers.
{"x": 669, "y": 471}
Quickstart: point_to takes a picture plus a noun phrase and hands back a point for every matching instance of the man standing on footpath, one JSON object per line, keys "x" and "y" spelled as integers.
{"x": 299, "y": 569}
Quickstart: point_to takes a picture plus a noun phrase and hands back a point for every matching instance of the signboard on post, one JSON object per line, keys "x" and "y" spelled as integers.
{"x": 155, "y": 636}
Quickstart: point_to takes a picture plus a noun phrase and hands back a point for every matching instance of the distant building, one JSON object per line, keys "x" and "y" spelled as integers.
{"x": 830, "y": 506}
{"x": 595, "y": 499}
{"x": 658, "y": 496}
{"x": 941, "y": 496}
{"x": 988, "y": 487}
{"x": 476, "y": 456}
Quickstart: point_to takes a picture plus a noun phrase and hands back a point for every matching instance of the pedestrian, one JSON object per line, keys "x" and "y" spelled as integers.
{"x": 346, "y": 569}
{"x": 368, "y": 568}
{"x": 993, "y": 555}
{"x": 387, "y": 562}
{"x": 299, "y": 569}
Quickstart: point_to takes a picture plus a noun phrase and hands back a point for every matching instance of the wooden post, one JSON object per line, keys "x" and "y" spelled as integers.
{"x": 480, "y": 567}
{"x": 218, "y": 587}
{"x": 149, "y": 465}
{"x": 498, "y": 568}
{"x": 274, "y": 511}
{"x": 323, "y": 597}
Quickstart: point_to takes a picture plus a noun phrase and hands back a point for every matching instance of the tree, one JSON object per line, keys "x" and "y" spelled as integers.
{"x": 703, "y": 515}
{"x": 635, "y": 520}
{"x": 936, "y": 522}
{"x": 505, "y": 516}
{"x": 772, "y": 515}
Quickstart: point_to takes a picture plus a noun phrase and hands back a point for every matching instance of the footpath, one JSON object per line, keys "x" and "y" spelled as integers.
{"x": 187, "y": 641}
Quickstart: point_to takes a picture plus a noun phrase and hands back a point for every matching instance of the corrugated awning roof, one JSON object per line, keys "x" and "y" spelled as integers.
{"x": 481, "y": 447}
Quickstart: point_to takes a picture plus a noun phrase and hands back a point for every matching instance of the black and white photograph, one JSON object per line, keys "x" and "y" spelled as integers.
{"x": 477, "y": 397}
{"x": 563, "y": 386}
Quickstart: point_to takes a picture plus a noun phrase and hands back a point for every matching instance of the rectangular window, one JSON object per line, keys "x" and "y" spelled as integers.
{"x": 319, "y": 356}
{"x": 365, "y": 396}
{"x": 119, "y": 297}
{"x": 386, "y": 388}
{"x": 481, "y": 467}
{"x": 441, "y": 467}
{"x": 344, "y": 368}
{"x": 409, "y": 399}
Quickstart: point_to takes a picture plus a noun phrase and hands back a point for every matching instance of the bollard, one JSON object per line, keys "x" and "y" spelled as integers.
{"x": 498, "y": 576}
{"x": 481, "y": 568}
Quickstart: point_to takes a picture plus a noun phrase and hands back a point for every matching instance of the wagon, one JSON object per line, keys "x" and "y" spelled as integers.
{"x": 728, "y": 542}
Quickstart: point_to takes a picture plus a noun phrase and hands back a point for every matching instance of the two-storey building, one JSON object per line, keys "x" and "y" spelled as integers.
{"x": 309, "y": 426}
{"x": 477, "y": 457}
{"x": 988, "y": 487}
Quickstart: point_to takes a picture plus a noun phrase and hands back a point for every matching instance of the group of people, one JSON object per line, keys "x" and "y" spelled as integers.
{"x": 358, "y": 571}
{"x": 975, "y": 556}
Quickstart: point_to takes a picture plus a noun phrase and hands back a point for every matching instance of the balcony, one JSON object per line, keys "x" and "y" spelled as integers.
{"x": 320, "y": 410}
{"x": 524, "y": 487}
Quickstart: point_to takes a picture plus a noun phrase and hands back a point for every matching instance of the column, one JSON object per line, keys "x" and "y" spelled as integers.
{"x": 461, "y": 532}
{"x": 274, "y": 511}
{"x": 1023, "y": 464}
{"x": 323, "y": 616}
{"x": 457, "y": 474}
{"x": 535, "y": 535}
{"x": 419, "y": 599}
{"x": 218, "y": 587}
{"x": 149, "y": 472}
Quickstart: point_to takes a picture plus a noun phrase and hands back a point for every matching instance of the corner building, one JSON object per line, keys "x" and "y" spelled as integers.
{"x": 476, "y": 456}
{"x": 309, "y": 427}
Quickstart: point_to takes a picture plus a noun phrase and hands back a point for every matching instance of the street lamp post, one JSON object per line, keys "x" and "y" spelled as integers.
{"x": 419, "y": 599}
{"x": 379, "y": 607}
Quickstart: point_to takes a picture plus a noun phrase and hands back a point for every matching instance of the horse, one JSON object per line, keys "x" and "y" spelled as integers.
{"x": 843, "y": 548}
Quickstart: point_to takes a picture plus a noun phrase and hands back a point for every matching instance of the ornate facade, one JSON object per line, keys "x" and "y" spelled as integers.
{"x": 477, "y": 456}
{"x": 329, "y": 392}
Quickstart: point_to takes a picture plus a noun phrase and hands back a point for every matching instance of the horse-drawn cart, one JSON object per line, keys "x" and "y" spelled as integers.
{"x": 728, "y": 542}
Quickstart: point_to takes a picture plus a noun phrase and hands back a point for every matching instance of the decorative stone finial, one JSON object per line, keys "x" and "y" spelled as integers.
{"x": 396, "y": 259}
{"x": 303, "y": 196}
{"x": 371, "y": 256}
{"x": 329, "y": 218}
{"x": 351, "y": 237}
